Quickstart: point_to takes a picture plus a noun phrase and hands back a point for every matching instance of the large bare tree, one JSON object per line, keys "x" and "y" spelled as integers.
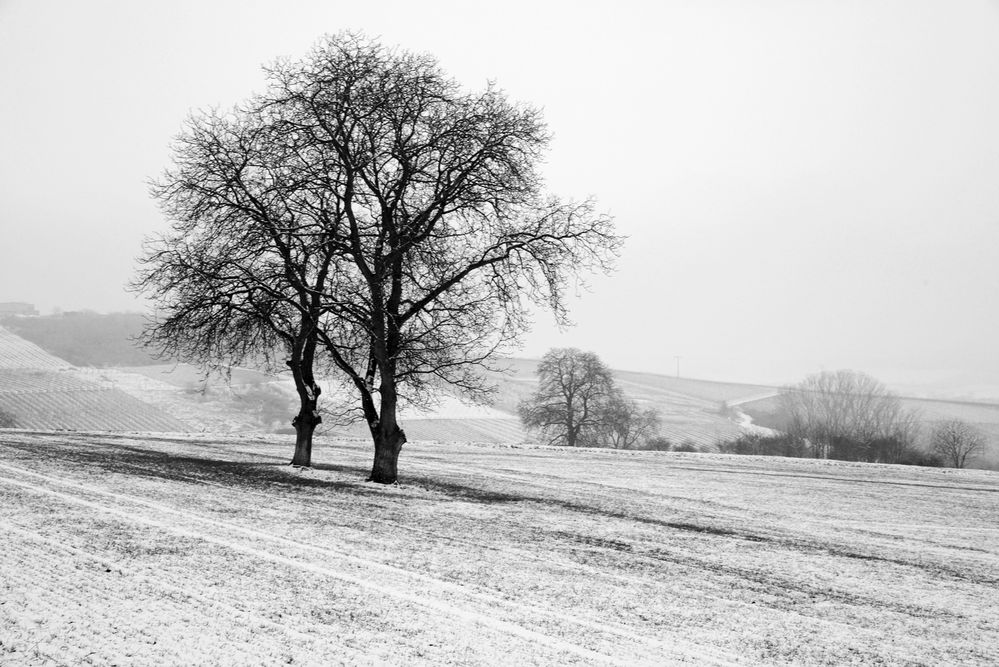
{"x": 241, "y": 274}
{"x": 570, "y": 405}
{"x": 373, "y": 216}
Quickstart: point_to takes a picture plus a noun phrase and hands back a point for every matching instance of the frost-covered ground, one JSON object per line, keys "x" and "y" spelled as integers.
{"x": 149, "y": 550}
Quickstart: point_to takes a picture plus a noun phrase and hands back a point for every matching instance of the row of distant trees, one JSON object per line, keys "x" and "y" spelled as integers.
{"x": 847, "y": 415}
{"x": 843, "y": 415}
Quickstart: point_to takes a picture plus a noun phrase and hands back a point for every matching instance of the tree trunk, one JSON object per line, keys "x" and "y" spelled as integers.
{"x": 305, "y": 425}
{"x": 387, "y": 447}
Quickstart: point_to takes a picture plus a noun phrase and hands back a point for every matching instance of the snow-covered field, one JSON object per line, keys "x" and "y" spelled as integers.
{"x": 151, "y": 549}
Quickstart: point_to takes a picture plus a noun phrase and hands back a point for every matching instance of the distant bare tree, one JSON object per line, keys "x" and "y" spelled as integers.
{"x": 956, "y": 441}
{"x": 625, "y": 423}
{"x": 367, "y": 214}
{"x": 847, "y": 415}
{"x": 569, "y": 406}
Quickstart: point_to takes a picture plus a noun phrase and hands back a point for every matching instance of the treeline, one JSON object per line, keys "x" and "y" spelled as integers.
{"x": 755, "y": 444}
{"x": 86, "y": 338}
{"x": 849, "y": 416}
{"x": 841, "y": 415}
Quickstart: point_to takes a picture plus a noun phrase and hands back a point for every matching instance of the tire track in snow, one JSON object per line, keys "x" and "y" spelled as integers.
{"x": 529, "y": 478}
{"x": 353, "y": 452}
{"x": 568, "y": 564}
{"x": 604, "y": 454}
{"x": 687, "y": 651}
{"x": 236, "y": 614}
{"x": 517, "y": 553}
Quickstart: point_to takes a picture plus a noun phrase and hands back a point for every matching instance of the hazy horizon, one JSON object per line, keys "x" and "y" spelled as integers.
{"x": 805, "y": 186}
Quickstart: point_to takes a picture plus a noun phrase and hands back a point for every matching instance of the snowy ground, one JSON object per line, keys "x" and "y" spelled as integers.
{"x": 148, "y": 550}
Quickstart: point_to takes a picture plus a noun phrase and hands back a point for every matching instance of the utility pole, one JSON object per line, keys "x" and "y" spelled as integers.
{"x": 677, "y": 365}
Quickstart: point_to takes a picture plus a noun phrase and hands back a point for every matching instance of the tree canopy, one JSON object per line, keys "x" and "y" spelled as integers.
{"x": 956, "y": 441}
{"x": 577, "y": 404}
{"x": 847, "y": 415}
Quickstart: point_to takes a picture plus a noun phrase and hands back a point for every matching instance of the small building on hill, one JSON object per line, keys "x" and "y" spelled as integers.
{"x": 17, "y": 308}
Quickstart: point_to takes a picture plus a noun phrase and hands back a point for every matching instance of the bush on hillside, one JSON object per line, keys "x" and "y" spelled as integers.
{"x": 915, "y": 457}
{"x": 883, "y": 450}
{"x": 658, "y": 443}
{"x": 755, "y": 444}
{"x": 686, "y": 446}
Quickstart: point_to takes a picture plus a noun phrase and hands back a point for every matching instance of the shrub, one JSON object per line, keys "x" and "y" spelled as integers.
{"x": 915, "y": 457}
{"x": 686, "y": 446}
{"x": 755, "y": 444}
{"x": 658, "y": 443}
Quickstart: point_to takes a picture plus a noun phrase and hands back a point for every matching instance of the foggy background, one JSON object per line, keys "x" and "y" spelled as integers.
{"x": 806, "y": 185}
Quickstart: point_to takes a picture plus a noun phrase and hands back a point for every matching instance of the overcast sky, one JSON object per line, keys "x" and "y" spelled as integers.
{"x": 806, "y": 184}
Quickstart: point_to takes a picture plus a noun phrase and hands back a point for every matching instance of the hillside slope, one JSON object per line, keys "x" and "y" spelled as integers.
{"x": 17, "y": 353}
{"x": 41, "y": 391}
{"x": 691, "y": 410}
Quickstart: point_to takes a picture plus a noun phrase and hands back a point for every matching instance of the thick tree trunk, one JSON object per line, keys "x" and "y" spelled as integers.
{"x": 385, "y": 469}
{"x": 305, "y": 425}
{"x": 308, "y": 396}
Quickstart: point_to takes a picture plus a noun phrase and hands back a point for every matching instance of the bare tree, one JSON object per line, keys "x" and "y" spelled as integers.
{"x": 847, "y": 415}
{"x": 393, "y": 222}
{"x": 242, "y": 273}
{"x": 956, "y": 441}
{"x": 570, "y": 403}
{"x": 625, "y": 423}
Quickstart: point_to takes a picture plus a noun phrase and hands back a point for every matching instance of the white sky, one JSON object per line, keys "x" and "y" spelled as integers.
{"x": 806, "y": 184}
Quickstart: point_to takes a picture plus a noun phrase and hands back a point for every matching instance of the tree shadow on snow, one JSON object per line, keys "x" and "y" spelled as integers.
{"x": 249, "y": 475}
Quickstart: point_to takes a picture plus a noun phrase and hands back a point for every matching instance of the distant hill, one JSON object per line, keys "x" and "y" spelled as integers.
{"x": 86, "y": 338}
{"x": 19, "y": 354}
{"x": 53, "y": 348}
{"x": 41, "y": 391}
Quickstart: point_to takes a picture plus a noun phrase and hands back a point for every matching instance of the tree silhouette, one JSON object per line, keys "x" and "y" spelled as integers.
{"x": 847, "y": 415}
{"x": 367, "y": 214}
{"x": 570, "y": 405}
{"x": 956, "y": 441}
